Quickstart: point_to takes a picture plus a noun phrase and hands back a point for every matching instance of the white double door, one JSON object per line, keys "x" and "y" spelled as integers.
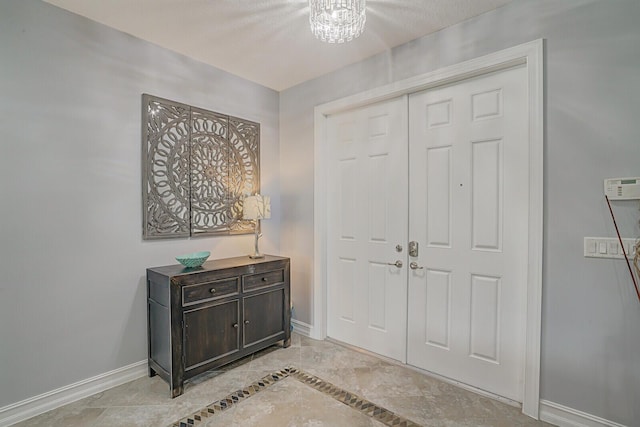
{"x": 446, "y": 168}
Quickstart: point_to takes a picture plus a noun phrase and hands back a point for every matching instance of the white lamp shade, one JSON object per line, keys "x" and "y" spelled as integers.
{"x": 256, "y": 207}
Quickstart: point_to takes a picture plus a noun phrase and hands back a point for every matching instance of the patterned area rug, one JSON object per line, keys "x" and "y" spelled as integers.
{"x": 352, "y": 400}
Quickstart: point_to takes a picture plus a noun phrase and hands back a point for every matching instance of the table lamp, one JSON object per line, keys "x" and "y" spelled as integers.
{"x": 255, "y": 208}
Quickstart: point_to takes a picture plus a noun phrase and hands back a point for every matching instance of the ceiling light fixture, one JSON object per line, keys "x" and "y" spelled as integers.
{"x": 337, "y": 21}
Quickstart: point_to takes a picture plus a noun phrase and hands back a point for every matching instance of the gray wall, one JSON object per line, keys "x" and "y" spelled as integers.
{"x": 591, "y": 319}
{"x": 72, "y": 260}
{"x": 72, "y": 296}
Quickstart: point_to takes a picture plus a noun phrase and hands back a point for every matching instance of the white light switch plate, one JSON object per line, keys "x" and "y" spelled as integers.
{"x": 608, "y": 247}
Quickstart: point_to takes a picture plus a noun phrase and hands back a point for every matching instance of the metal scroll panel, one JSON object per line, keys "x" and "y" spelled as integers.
{"x": 197, "y": 168}
{"x": 209, "y": 170}
{"x": 165, "y": 164}
{"x": 244, "y": 169}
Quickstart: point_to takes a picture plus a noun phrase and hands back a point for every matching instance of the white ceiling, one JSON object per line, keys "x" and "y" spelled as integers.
{"x": 269, "y": 41}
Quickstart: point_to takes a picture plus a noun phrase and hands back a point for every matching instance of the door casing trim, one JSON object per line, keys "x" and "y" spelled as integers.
{"x": 531, "y": 55}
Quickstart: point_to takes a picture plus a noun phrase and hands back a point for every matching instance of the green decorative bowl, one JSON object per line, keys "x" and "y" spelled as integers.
{"x": 193, "y": 260}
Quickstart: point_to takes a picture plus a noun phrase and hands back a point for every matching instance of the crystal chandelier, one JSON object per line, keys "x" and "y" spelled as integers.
{"x": 337, "y": 21}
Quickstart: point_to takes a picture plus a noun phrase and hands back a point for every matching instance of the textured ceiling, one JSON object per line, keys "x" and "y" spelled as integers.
{"x": 269, "y": 41}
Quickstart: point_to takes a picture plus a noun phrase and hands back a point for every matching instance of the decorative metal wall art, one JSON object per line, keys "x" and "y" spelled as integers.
{"x": 197, "y": 166}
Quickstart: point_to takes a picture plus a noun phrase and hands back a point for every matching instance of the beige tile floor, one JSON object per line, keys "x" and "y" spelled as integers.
{"x": 420, "y": 398}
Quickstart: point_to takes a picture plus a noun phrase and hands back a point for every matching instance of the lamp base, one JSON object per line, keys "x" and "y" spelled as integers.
{"x": 256, "y": 252}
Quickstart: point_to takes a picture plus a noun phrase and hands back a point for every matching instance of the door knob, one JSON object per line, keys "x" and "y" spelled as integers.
{"x": 414, "y": 266}
{"x": 398, "y": 263}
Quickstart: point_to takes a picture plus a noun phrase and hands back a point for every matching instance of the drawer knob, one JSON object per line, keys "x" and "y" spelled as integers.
{"x": 212, "y": 290}
{"x": 235, "y": 325}
{"x": 246, "y": 322}
{"x": 264, "y": 279}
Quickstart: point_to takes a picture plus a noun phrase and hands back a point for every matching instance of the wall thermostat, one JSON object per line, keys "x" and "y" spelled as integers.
{"x": 622, "y": 188}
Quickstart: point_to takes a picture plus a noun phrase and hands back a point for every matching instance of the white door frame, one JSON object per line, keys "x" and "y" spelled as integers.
{"x": 529, "y": 54}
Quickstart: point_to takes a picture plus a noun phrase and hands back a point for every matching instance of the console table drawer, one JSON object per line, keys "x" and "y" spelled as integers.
{"x": 260, "y": 280}
{"x": 192, "y": 294}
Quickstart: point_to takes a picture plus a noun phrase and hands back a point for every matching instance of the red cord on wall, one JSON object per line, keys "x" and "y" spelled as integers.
{"x": 633, "y": 277}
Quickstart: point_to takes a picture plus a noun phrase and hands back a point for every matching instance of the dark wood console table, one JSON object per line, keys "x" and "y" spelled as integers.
{"x": 205, "y": 317}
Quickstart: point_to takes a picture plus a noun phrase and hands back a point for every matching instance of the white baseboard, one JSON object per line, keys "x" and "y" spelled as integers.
{"x": 42, "y": 403}
{"x": 301, "y": 327}
{"x": 564, "y": 416}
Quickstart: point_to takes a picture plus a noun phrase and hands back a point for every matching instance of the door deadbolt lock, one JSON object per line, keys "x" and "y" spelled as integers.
{"x": 413, "y": 248}
{"x": 398, "y": 248}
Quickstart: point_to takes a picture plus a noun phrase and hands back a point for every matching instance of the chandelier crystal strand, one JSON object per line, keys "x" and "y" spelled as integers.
{"x": 337, "y": 21}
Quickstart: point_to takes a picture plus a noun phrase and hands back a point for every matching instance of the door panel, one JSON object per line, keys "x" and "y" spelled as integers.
{"x": 367, "y": 218}
{"x": 436, "y": 307}
{"x": 485, "y": 313}
{"x": 345, "y": 292}
{"x": 468, "y": 168}
{"x": 486, "y": 199}
{"x": 263, "y": 316}
{"x": 438, "y": 196}
{"x": 211, "y": 333}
